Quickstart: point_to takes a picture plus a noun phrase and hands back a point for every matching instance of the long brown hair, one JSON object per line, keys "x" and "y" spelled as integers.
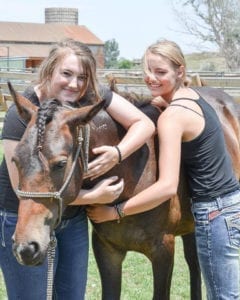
{"x": 86, "y": 59}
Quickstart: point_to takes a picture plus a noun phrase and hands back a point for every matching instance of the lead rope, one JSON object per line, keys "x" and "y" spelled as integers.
{"x": 85, "y": 149}
{"x": 53, "y": 242}
{"x": 50, "y": 273}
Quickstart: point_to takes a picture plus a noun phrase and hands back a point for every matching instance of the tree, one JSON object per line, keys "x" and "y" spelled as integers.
{"x": 111, "y": 53}
{"x": 214, "y": 21}
{"x": 124, "y": 63}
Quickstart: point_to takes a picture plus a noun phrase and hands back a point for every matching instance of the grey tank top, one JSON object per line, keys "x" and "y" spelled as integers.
{"x": 206, "y": 160}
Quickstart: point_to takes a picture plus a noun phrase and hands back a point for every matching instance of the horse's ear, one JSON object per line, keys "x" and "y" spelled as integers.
{"x": 24, "y": 106}
{"x": 83, "y": 115}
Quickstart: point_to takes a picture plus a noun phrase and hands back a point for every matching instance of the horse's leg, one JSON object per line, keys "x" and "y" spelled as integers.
{"x": 190, "y": 254}
{"x": 109, "y": 261}
{"x": 162, "y": 265}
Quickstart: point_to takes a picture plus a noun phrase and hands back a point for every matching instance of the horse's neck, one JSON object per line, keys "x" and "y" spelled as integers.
{"x": 104, "y": 131}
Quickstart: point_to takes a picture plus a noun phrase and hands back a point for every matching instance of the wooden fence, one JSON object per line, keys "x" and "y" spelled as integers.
{"x": 127, "y": 80}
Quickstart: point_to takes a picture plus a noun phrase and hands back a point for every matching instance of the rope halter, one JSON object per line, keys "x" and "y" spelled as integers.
{"x": 83, "y": 152}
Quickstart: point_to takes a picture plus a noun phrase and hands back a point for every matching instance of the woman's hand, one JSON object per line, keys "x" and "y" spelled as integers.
{"x": 159, "y": 103}
{"x": 101, "y": 213}
{"x": 105, "y": 191}
{"x": 107, "y": 159}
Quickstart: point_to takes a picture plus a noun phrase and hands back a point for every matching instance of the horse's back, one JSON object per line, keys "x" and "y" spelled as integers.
{"x": 228, "y": 112}
{"x": 219, "y": 99}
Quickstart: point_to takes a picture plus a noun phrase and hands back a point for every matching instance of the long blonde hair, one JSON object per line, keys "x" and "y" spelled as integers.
{"x": 169, "y": 50}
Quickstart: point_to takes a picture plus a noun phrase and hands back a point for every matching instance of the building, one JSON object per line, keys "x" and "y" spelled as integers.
{"x": 25, "y": 45}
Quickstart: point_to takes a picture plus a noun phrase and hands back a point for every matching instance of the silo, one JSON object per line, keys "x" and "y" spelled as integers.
{"x": 61, "y": 15}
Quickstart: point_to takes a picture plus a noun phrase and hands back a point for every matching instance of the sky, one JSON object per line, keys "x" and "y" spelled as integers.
{"x": 134, "y": 24}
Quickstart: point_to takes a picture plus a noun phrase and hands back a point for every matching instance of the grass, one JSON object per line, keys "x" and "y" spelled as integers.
{"x": 137, "y": 278}
{"x": 205, "y": 61}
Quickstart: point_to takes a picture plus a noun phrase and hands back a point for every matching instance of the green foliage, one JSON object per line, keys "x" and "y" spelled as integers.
{"x": 111, "y": 53}
{"x": 2, "y": 288}
{"x": 125, "y": 63}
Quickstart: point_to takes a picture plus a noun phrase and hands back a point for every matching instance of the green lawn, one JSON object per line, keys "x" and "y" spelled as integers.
{"x": 137, "y": 278}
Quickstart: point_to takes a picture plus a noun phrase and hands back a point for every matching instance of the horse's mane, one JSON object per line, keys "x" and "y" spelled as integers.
{"x": 44, "y": 116}
{"x": 141, "y": 101}
{"x": 138, "y": 100}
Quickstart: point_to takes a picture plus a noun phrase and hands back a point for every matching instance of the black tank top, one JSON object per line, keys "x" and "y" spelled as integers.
{"x": 206, "y": 160}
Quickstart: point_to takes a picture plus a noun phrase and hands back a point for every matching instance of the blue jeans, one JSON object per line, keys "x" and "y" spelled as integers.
{"x": 71, "y": 262}
{"x": 217, "y": 229}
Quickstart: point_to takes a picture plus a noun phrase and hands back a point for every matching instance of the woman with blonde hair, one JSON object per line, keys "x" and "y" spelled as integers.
{"x": 191, "y": 135}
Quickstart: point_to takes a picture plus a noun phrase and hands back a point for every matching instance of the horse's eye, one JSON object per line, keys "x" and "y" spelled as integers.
{"x": 60, "y": 164}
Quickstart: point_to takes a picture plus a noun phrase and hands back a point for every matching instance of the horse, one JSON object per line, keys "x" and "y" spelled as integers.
{"x": 44, "y": 194}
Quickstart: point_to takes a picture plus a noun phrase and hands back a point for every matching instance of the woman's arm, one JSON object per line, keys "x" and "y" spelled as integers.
{"x": 105, "y": 191}
{"x": 170, "y": 136}
{"x": 139, "y": 129}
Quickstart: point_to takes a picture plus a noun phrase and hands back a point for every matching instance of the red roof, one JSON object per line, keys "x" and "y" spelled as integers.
{"x": 33, "y": 39}
{"x": 45, "y": 33}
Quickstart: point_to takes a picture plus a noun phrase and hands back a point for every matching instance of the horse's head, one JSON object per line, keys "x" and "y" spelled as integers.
{"x": 45, "y": 158}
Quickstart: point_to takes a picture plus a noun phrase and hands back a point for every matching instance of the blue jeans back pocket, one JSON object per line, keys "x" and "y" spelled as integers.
{"x": 233, "y": 225}
{"x": 200, "y": 216}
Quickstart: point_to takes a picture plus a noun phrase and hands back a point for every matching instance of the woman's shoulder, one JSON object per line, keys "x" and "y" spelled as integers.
{"x": 106, "y": 94}
{"x": 31, "y": 95}
{"x": 171, "y": 116}
{"x": 14, "y": 126}
{"x": 185, "y": 93}
{"x": 105, "y": 91}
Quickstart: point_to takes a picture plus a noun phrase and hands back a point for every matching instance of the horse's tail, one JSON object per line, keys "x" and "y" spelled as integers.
{"x": 231, "y": 125}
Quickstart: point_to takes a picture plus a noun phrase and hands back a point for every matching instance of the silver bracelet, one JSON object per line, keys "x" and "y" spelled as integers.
{"x": 119, "y": 211}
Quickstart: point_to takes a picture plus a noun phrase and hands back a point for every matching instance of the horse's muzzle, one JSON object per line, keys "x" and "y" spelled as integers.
{"x": 28, "y": 254}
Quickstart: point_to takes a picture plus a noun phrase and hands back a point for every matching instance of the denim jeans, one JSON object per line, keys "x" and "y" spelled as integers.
{"x": 217, "y": 229}
{"x": 71, "y": 261}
